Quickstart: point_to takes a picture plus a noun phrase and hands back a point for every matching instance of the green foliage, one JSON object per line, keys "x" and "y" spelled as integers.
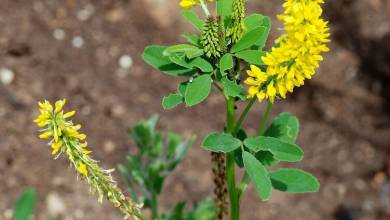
{"x": 193, "y": 18}
{"x": 294, "y": 181}
{"x": 172, "y": 100}
{"x": 281, "y": 150}
{"x": 251, "y": 56}
{"x": 259, "y": 175}
{"x": 284, "y": 127}
{"x": 153, "y": 55}
{"x": 204, "y": 210}
{"x": 198, "y": 90}
{"x": 192, "y": 38}
{"x": 231, "y": 88}
{"x": 249, "y": 39}
{"x": 190, "y": 51}
{"x": 226, "y": 63}
{"x": 25, "y": 205}
{"x": 224, "y": 9}
{"x": 157, "y": 157}
{"x": 221, "y": 142}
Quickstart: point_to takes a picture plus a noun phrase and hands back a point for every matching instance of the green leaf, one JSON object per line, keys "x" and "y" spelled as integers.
{"x": 198, "y": 62}
{"x": 25, "y": 205}
{"x": 251, "y": 56}
{"x": 202, "y": 64}
{"x": 190, "y": 51}
{"x": 294, "y": 181}
{"x": 182, "y": 87}
{"x": 180, "y": 60}
{"x": 224, "y": 9}
{"x": 220, "y": 142}
{"x": 231, "y": 88}
{"x": 259, "y": 175}
{"x": 253, "y": 21}
{"x": 284, "y": 127}
{"x": 266, "y": 158}
{"x": 249, "y": 39}
{"x": 263, "y": 39}
{"x": 192, "y": 38}
{"x": 198, "y": 90}
{"x": 171, "y": 101}
{"x": 153, "y": 55}
{"x": 281, "y": 150}
{"x": 193, "y": 18}
{"x": 226, "y": 63}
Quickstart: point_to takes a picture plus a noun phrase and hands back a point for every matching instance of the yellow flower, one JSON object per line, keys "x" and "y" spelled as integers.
{"x": 56, "y": 146}
{"x": 298, "y": 53}
{"x": 82, "y": 168}
{"x": 67, "y": 139}
{"x": 187, "y": 4}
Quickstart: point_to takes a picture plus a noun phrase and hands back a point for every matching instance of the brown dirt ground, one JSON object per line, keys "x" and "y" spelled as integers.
{"x": 344, "y": 110}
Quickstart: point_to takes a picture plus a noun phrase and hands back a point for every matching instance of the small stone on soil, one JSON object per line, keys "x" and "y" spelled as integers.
{"x": 6, "y": 76}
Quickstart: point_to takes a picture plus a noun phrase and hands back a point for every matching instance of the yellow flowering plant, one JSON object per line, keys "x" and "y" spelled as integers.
{"x": 228, "y": 52}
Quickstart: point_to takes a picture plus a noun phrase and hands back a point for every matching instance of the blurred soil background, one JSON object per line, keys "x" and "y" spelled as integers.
{"x": 90, "y": 52}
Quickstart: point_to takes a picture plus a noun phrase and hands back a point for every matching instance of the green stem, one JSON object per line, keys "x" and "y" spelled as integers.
{"x": 264, "y": 119}
{"x": 204, "y": 7}
{"x": 154, "y": 207}
{"x": 243, "y": 116}
{"x": 231, "y": 179}
{"x": 243, "y": 184}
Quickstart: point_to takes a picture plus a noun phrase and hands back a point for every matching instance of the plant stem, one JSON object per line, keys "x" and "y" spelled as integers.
{"x": 243, "y": 116}
{"x": 204, "y": 7}
{"x": 154, "y": 207}
{"x": 243, "y": 184}
{"x": 231, "y": 180}
{"x": 264, "y": 119}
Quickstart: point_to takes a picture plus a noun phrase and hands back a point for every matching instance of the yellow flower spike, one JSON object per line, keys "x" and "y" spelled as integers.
{"x": 69, "y": 141}
{"x": 298, "y": 52}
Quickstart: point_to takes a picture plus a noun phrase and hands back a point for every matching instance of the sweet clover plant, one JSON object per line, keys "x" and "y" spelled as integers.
{"x": 226, "y": 52}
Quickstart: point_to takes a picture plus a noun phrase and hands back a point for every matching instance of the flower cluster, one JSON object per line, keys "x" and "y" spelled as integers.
{"x": 191, "y": 3}
{"x": 64, "y": 137}
{"x": 297, "y": 52}
{"x": 237, "y": 26}
{"x": 212, "y": 38}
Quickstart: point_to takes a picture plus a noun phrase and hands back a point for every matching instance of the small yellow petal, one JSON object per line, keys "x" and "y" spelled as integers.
{"x": 69, "y": 114}
{"x": 82, "y": 169}
{"x": 59, "y": 104}
{"x": 46, "y": 135}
